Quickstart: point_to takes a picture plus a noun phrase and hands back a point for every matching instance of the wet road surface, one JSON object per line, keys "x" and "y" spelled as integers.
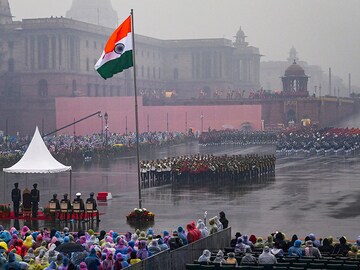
{"x": 318, "y": 194}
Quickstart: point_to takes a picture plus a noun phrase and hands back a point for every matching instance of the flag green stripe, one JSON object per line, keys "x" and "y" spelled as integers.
{"x": 117, "y": 65}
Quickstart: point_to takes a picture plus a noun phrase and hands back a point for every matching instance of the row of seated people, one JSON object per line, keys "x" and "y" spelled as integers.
{"x": 281, "y": 246}
{"x": 78, "y": 209}
{"x": 267, "y": 261}
{"x": 281, "y": 252}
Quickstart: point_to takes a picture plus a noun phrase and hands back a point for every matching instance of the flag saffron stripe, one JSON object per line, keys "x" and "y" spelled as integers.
{"x": 121, "y": 32}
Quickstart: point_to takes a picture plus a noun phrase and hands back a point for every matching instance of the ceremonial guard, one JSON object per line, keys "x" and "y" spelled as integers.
{"x": 35, "y": 198}
{"x": 16, "y": 198}
{"x": 158, "y": 172}
{"x": 209, "y": 167}
{"x": 92, "y": 200}
{"x": 143, "y": 171}
{"x": 152, "y": 171}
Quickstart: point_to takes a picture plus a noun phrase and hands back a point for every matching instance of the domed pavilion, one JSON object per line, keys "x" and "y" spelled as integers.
{"x": 295, "y": 81}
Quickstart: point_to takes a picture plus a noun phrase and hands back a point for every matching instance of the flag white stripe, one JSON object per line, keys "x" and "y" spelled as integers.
{"x": 127, "y": 41}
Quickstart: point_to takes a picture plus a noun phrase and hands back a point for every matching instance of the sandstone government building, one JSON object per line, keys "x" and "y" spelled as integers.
{"x": 44, "y": 59}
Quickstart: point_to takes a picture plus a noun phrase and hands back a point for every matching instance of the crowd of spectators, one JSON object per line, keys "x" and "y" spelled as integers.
{"x": 63, "y": 250}
{"x": 224, "y": 94}
{"x": 255, "y": 250}
{"x": 156, "y": 94}
{"x": 55, "y": 249}
{"x": 72, "y": 149}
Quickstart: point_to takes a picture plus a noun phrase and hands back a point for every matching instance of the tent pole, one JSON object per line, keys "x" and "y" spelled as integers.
{"x": 70, "y": 183}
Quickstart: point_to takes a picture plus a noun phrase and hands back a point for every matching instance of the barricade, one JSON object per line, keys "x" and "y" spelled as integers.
{"x": 177, "y": 259}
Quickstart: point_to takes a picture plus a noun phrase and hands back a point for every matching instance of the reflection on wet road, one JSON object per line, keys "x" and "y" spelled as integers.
{"x": 316, "y": 194}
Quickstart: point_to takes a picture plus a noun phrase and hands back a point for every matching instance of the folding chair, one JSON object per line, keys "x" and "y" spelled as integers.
{"x": 190, "y": 266}
{"x": 350, "y": 266}
{"x": 314, "y": 265}
{"x": 77, "y": 210}
{"x": 227, "y": 266}
{"x": 334, "y": 266}
{"x": 26, "y": 206}
{"x": 64, "y": 210}
{"x": 89, "y": 210}
{"x": 53, "y": 210}
{"x": 279, "y": 267}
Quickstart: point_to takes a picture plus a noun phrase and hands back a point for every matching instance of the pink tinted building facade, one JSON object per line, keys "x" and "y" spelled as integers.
{"x": 121, "y": 116}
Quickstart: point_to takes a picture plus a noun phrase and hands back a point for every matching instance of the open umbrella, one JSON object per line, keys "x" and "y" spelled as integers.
{"x": 69, "y": 247}
{"x": 78, "y": 257}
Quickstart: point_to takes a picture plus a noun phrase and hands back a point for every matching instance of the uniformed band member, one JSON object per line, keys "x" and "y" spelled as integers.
{"x": 92, "y": 200}
{"x": 57, "y": 203}
{"x": 16, "y": 198}
{"x": 143, "y": 170}
{"x": 35, "y": 198}
{"x": 82, "y": 206}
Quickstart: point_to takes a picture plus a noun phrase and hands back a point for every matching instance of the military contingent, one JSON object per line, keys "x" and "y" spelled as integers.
{"x": 234, "y": 136}
{"x": 205, "y": 168}
{"x": 310, "y": 140}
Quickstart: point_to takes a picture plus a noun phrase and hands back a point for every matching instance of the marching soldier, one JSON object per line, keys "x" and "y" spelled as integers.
{"x": 152, "y": 171}
{"x": 158, "y": 173}
{"x": 207, "y": 167}
{"x": 143, "y": 171}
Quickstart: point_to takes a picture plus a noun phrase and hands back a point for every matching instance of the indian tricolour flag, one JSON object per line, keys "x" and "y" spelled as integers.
{"x": 117, "y": 54}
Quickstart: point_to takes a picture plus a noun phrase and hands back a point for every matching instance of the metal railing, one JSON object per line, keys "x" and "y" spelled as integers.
{"x": 177, "y": 259}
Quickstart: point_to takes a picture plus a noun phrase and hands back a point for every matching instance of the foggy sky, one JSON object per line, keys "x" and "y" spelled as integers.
{"x": 324, "y": 32}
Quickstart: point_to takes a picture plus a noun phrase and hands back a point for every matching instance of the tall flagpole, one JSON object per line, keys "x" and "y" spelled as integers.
{"x": 136, "y": 108}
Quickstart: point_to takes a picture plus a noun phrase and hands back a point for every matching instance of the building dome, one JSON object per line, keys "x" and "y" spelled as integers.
{"x": 5, "y": 13}
{"x": 98, "y": 12}
{"x": 240, "y": 39}
{"x": 295, "y": 70}
{"x": 240, "y": 33}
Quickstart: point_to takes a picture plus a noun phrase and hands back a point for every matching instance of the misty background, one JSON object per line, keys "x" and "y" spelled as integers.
{"x": 324, "y": 32}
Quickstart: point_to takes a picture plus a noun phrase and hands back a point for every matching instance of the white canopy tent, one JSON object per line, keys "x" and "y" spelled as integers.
{"x": 37, "y": 159}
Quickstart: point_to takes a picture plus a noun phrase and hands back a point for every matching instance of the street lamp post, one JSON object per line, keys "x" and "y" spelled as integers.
{"x": 6, "y": 132}
{"x": 102, "y": 125}
{"x": 106, "y": 117}
{"x": 167, "y": 122}
{"x": 126, "y": 129}
{"x": 42, "y": 127}
{"x": 74, "y": 131}
{"x": 202, "y": 123}
{"x": 148, "y": 123}
{"x": 320, "y": 90}
{"x": 6, "y": 128}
